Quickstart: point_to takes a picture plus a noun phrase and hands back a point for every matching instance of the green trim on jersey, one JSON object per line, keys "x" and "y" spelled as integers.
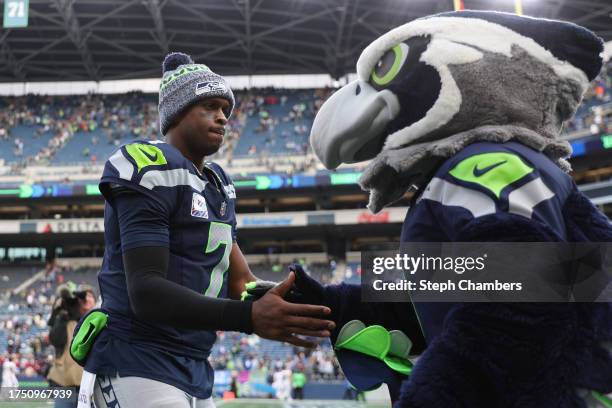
{"x": 218, "y": 234}
{"x": 603, "y": 399}
{"x": 145, "y": 155}
{"x": 493, "y": 171}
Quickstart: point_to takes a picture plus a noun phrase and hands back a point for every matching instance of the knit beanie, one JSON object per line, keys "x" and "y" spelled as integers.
{"x": 184, "y": 83}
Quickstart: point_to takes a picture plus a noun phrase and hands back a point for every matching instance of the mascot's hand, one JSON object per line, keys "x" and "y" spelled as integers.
{"x": 310, "y": 291}
{"x": 305, "y": 290}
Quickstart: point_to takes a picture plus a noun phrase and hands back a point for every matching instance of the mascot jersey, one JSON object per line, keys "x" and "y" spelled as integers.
{"x": 468, "y": 107}
{"x": 200, "y": 229}
{"x": 488, "y": 186}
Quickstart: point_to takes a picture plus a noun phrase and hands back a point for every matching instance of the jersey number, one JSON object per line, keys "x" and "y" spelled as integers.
{"x": 218, "y": 234}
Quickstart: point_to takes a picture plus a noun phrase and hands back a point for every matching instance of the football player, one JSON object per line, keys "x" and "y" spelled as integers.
{"x": 172, "y": 272}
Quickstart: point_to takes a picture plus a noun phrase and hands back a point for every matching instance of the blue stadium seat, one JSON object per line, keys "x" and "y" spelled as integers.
{"x": 72, "y": 152}
{"x": 32, "y": 143}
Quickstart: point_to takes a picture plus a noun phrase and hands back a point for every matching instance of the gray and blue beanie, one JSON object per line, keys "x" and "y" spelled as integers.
{"x": 184, "y": 83}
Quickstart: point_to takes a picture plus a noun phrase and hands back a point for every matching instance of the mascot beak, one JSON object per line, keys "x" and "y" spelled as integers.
{"x": 351, "y": 125}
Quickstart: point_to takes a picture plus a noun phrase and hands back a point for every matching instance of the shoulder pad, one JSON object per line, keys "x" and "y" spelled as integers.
{"x": 145, "y": 155}
{"x": 487, "y": 178}
{"x": 150, "y": 164}
{"x": 133, "y": 159}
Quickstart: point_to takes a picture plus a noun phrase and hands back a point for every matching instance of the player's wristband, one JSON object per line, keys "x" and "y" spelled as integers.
{"x": 236, "y": 316}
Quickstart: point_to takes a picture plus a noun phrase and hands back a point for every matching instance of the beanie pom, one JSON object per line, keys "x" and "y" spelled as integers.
{"x": 174, "y": 60}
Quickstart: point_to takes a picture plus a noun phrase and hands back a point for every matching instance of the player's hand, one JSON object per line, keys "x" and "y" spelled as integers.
{"x": 276, "y": 319}
{"x": 255, "y": 290}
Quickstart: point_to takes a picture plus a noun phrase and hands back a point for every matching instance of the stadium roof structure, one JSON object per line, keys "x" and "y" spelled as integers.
{"x": 97, "y": 40}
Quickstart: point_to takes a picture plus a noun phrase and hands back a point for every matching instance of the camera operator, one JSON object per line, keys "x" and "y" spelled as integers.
{"x": 68, "y": 308}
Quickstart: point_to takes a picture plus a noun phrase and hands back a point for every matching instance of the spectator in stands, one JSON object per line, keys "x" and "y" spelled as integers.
{"x": 298, "y": 380}
{"x": 18, "y": 147}
{"x": 282, "y": 383}
{"x": 68, "y": 308}
{"x": 9, "y": 372}
{"x": 234, "y": 384}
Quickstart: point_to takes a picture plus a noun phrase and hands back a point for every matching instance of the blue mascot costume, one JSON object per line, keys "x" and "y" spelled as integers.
{"x": 467, "y": 108}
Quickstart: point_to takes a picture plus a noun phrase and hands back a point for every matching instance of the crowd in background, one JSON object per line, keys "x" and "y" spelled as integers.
{"x": 283, "y": 368}
{"x": 23, "y": 324}
{"x": 118, "y": 118}
{"x": 595, "y": 112}
{"x": 299, "y": 115}
{"x": 240, "y": 352}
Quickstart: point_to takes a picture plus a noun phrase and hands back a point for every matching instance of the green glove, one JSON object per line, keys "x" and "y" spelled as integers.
{"x": 256, "y": 289}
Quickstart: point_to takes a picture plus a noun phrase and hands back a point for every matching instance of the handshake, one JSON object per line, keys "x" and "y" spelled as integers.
{"x": 295, "y": 306}
{"x": 303, "y": 290}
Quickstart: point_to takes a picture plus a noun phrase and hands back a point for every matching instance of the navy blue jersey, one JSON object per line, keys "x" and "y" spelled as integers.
{"x": 486, "y": 181}
{"x": 193, "y": 215}
{"x": 485, "y": 354}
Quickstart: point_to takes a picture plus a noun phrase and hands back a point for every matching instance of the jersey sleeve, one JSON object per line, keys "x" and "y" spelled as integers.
{"x": 142, "y": 222}
{"x": 135, "y": 183}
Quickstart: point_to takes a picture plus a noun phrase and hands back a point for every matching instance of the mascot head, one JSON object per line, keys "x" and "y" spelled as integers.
{"x": 428, "y": 88}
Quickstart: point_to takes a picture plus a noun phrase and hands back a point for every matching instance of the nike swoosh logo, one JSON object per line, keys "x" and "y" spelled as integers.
{"x": 479, "y": 172}
{"x": 150, "y": 157}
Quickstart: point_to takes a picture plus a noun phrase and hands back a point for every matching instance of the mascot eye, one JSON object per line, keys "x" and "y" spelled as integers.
{"x": 390, "y": 64}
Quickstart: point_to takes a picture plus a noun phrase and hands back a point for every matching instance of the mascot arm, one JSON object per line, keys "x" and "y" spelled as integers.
{"x": 345, "y": 302}
{"x": 523, "y": 354}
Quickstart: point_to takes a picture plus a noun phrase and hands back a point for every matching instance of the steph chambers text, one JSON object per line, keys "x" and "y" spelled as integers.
{"x": 465, "y": 285}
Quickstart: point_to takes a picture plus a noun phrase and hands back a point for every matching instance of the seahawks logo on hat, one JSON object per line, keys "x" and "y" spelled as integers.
{"x": 210, "y": 86}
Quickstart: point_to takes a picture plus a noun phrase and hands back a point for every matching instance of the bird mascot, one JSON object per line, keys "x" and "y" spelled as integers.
{"x": 466, "y": 109}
